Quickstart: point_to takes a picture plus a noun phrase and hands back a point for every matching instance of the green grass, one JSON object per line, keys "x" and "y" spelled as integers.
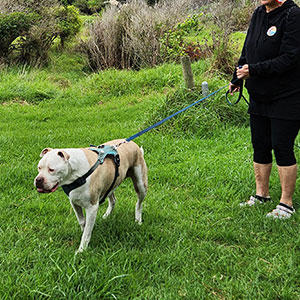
{"x": 195, "y": 242}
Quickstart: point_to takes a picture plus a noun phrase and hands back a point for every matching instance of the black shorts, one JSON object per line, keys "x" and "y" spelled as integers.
{"x": 269, "y": 134}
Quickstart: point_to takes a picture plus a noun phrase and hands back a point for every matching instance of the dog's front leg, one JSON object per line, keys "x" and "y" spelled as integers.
{"x": 91, "y": 214}
{"x": 79, "y": 214}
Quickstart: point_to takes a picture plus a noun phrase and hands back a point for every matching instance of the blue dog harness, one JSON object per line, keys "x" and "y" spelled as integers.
{"x": 103, "y": 151}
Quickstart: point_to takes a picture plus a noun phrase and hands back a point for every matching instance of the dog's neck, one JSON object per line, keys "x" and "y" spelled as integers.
{"x": 77, "y": 166}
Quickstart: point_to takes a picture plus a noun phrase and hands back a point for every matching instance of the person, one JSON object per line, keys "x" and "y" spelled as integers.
{"x": 270, "y": 65}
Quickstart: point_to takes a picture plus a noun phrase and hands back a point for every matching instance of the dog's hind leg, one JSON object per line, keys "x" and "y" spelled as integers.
{"x": 111, "y": 205}
{"x": 140, "y": 182}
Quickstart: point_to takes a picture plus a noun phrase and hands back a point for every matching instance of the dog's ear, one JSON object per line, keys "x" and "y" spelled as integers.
{"x": 44, "y": 151}
{"x": 64, "y": 155}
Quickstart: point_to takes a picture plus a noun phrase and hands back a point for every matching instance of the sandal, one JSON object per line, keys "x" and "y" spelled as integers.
{"x": 282, "y": 211}
{"x": 255, "y": 200}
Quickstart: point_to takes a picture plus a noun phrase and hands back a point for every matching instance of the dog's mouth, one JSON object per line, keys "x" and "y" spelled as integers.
{"x": 41, "y": 190}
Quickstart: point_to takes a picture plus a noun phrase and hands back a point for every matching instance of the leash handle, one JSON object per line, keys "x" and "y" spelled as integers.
{"x": 240, "y": 92}
{"x": 238, "y": 99}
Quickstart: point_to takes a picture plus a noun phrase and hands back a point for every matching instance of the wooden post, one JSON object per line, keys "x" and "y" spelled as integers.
{"x": 187, "y": 72}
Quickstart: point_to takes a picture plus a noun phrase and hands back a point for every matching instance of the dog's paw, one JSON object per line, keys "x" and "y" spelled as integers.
{"x": 105, "y": 216}
{"x": 138, "y": 221}
{"x": 78, "y": 251}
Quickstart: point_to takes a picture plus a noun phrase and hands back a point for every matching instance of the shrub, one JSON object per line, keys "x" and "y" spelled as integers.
{"x": 69, "y": 22}
{"x": 89, "y": 6}
{"x": 129, "y": 37}
{"x": 33, "y": 48}
{"x": 173, "y": 41}
{"x": 27, "y": 6}
{"x": 12, "y": 26}
{"x": 34, "y": 41}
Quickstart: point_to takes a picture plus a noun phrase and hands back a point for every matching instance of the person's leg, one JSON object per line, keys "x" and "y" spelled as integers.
{"x": 262, "y": 158}
{"x": 284, "y": 133}
{"x": 262, "y": 175}
{"x": 288, "y": 176}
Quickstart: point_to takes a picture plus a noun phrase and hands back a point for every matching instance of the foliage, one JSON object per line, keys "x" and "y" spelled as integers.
{"x": 129, "y": 36}
{"x": 28, "y": 6}
{"x": 69, "y": 23}
{"x": 33, "y": 27}
{"x": 33, "y": 44}
{"x": 89, "y": 6}
{"x": 173, "y": 43}
{"x": 12, "y": 26}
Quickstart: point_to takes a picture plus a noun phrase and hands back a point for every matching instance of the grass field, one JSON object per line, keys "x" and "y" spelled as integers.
{"x": 195, "y": 242}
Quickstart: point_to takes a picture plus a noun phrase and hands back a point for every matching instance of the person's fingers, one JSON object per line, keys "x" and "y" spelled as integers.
{"x": 233, "y": 89}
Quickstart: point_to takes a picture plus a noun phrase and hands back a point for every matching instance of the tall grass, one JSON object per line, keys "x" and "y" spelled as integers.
{"x": 129, "y": 37}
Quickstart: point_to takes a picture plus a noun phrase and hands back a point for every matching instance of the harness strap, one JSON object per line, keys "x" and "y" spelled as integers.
{"x": 103, "y": 151}
{"x": 117, "y": 164}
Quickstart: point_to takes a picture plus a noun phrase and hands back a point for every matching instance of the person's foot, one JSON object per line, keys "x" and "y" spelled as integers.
{"x": 282, "y": 211}
{"x": 255, "y": 200}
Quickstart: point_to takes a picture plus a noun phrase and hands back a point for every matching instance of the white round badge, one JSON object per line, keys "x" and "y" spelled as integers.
{"x": 271, "y": 31}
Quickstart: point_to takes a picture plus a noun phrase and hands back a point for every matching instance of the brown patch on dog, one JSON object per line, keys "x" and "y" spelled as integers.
{"x": 130, "y": 155}
{"x": 44, "y": 151}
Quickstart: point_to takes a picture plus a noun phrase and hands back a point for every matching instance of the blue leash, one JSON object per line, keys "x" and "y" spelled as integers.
{"x": 173, "y": 115}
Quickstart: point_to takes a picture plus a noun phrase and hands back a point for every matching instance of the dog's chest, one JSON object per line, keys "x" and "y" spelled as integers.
{"x": 81, "y": 198}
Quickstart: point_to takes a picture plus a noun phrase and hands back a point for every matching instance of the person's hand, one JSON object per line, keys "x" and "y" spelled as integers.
{"x": 233, "y": 88}
{"x": 243, "y": 73}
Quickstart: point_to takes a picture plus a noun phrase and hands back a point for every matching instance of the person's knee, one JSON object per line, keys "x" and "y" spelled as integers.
{"x": 284, "y": 155}
{"x": 262, "y": 153}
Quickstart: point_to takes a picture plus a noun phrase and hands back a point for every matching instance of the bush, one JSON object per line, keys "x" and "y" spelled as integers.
{"x": 12, "y": 26}
{"x": 89, "y": 6}
{"x": 69, "y": 23}
{"x": 200, "y": 120}
{"x": 33, "y": 26}
{"x": 33, "y": 48}
{"x": 173, "y": 43}
{"x": 129, "y": 37}
{"x": 33, "y": 44}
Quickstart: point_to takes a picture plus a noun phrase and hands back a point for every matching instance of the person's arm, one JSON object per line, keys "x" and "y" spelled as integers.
{"x": 236, "y": 83}
{"x": 289, "y": 51}
{"x": 242, "y": 61}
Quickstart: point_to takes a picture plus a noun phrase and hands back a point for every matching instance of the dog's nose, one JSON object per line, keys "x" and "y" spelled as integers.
{"x": 39, "y": 182}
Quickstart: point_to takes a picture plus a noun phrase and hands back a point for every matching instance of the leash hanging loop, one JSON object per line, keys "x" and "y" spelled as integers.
{"x": 238, "y": 99}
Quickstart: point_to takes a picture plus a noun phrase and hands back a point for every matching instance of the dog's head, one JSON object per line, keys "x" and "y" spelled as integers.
{"x": 53, "y": 169}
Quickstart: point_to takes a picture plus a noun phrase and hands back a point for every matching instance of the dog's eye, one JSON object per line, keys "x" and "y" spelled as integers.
{"x": 50, "y": 170}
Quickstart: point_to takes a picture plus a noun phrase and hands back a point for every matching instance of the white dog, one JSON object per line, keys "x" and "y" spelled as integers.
{"x": 63, "y": 167}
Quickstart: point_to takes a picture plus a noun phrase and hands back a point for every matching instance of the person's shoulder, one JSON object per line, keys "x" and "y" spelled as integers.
{"x": 294, "y": 13}
{"x": 295, "y": 10}
{"x": 260, "y": 9}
